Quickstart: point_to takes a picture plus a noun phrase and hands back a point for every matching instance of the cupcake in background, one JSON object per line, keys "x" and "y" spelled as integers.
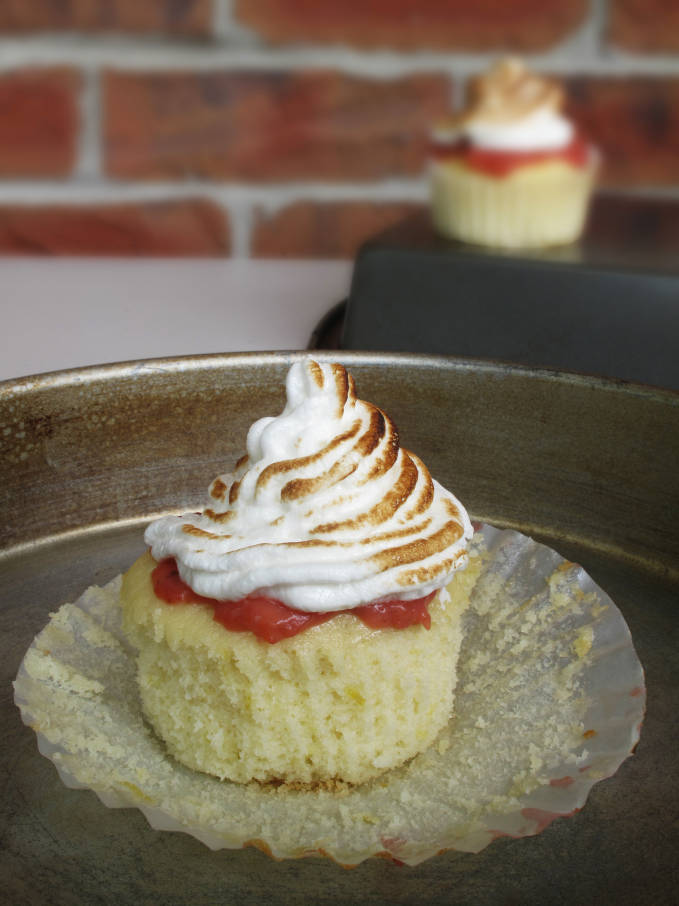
{"x": 510, "y": 170}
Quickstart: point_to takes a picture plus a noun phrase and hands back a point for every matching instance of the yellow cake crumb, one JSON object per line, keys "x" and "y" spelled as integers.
{"x": 338, "y": 702}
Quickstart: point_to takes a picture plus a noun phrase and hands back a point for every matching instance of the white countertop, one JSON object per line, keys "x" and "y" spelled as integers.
{"x": 64, "y": 313}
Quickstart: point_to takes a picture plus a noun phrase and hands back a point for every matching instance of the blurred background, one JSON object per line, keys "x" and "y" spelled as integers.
{"x": 291, "y": 128}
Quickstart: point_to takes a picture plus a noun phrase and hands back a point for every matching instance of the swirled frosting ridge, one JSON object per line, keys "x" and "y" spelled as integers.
{"x": 510, "y": 109}
{"x": 325, "y": 512}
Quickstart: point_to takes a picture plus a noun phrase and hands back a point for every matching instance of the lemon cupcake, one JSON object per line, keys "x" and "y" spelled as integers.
{"x": 305, "y": 627}
{"x": 511, "y": 171}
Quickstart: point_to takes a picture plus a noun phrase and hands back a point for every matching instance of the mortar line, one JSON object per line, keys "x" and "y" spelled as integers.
{"x": 266, "y": 195}
{"x": 269, "y": 197}
{"x": 241, "y": 225}
{"x": 88, "y": 155}
{"x": 227, "y": 30}
{"x": 221, "y": 19}
{"x": 600, "y": 17}
{"x": 138, "y": 56}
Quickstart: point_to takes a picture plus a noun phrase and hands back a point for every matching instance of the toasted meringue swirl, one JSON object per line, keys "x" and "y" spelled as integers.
{"x": 325, "y": 512}
{"x": 510, "y": 109}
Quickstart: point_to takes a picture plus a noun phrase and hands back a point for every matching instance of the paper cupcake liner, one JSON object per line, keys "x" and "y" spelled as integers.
{"x": 550, "y": 699}
{"x": 537, "y": 205}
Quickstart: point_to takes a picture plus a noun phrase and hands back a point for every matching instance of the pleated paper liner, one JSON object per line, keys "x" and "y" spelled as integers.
{"x": 550, "y": 700}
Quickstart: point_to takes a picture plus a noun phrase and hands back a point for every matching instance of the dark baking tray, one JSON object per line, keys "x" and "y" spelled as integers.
{"x": 588, "y": 466}
{"x": 607, "y": 305}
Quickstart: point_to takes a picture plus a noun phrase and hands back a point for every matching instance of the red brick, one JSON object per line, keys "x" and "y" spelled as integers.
{"x": 442, "y": 24}
{"x": 645, "y": 25}
{"x": 38, "y": 122}
{"x": 186, "y": 227}
{"x": 324, "y": 230}
{"x": 266, "y": 126}
{"x": 635, "y": 123}
{"x": 184, "y": 17}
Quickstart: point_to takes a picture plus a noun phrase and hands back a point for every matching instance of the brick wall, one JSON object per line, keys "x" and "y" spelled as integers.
{"x": 290, "y": 127}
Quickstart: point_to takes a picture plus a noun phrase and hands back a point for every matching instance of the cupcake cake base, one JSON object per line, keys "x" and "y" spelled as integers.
{"x": 337, "y": 702}
{"x": 535, "y": 206}
{"x": 550, "y": 699}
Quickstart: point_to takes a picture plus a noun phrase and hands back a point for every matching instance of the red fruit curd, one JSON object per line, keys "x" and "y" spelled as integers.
{"x": 502, "y": 163}
{"x": 271, "y": 620}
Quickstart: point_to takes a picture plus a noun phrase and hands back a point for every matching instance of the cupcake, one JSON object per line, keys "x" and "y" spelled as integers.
{"x": 510, "y": 170}
{"x": 304, "y": 628}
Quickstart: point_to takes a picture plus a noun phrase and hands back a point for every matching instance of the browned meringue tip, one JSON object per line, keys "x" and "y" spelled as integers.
{"x": 507, "y": 91}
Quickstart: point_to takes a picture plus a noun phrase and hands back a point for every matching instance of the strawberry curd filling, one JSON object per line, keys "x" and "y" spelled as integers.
{"x": 499, "y": 163}
{"x": 271, "y": 620}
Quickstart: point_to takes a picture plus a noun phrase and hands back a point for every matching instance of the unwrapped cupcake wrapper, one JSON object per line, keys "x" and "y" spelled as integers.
{"x": 535, "y": 206}
{"x": 550, "y": 699}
